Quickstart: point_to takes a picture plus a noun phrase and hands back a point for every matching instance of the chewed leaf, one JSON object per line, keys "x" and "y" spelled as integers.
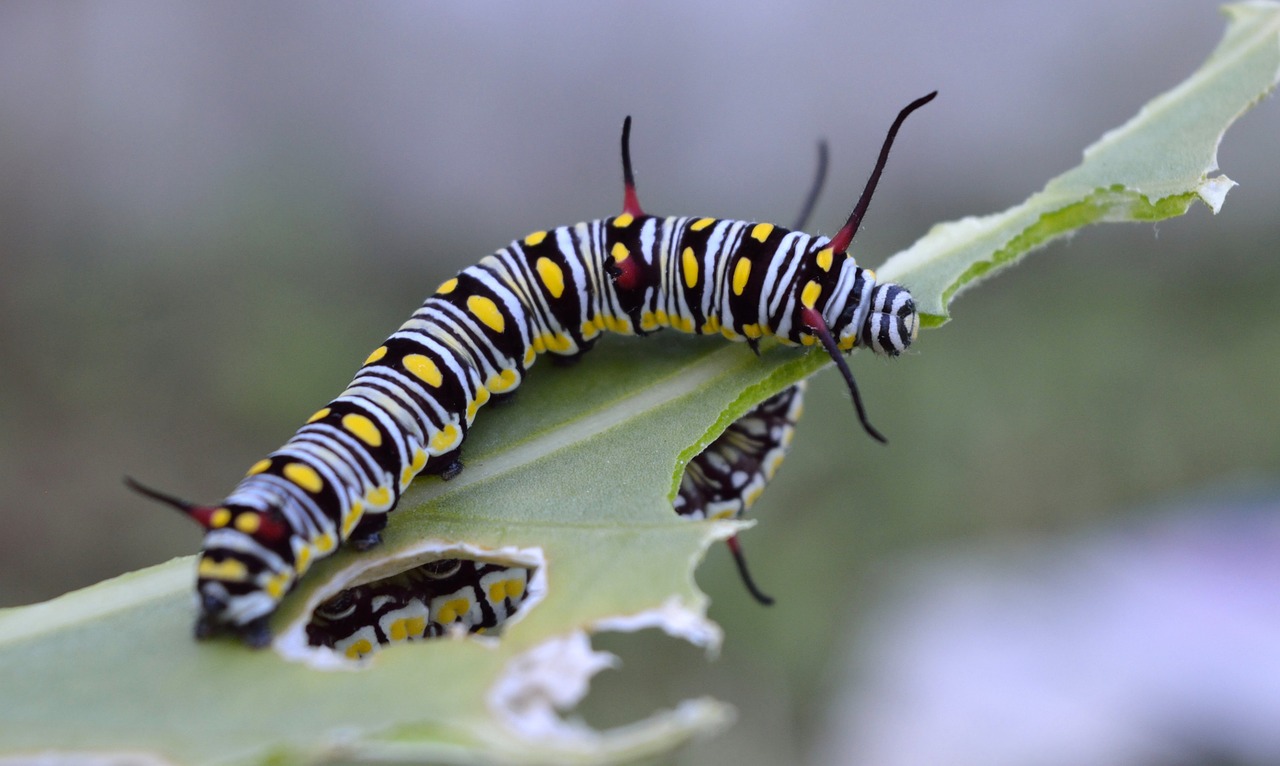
{"x": 561, "y": 526}
{"x": 1152, "y": 167}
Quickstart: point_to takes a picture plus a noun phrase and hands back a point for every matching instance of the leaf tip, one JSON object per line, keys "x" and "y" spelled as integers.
{"x": 1214, "y": 192}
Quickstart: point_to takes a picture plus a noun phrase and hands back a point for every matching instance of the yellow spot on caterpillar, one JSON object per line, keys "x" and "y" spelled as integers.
{"x": 363, "y": 429}
{"x": 515, "y": 588}
{"x": 349, "y": 523}
{"x": 473, "y": 406}
{"x": 379, "y": 498}
{"x": 423, "y": 369}
{"x": 619, "y": 252}
{"x": 487, "y": 312}
{"x": 219, "y": 518}
{"x": 416, "y": 626}
{"x": 810, "y": 295}
{"x": 445, "y": 439}
{"x": 399, "y": 631}
{"x": 552, "y": 276}
{"x": 359, "y": 649}
{"x": 304, "y": 476}
{"x": 535, "y": 238}
{"x": 845, "y": 344}
{"x": 824, "y": 259}
{"x": 727, "y": 513}
{"x": 712, "y": 325}
{"x": 325, "y": 544}
{"x": 414, "y": 467}
{"x": 447, "y": 286}
{"x": 452, "y": 610}
{"x": 505, "y": 589}
{"x": 377, "y": 354}
{"x": 265, "y": 463}
{"x": 249, "y": 522}
{"x": 302, "y": 559}
{"x": 227, "y": 570}
{"x": 741, "y": 273}
{"x": 684, "y": 324}
{"x": 701, "y": 224}
{"x": 320, "y": 414}
{"x": 761, "y": 231}
{"x": 752, "y": 330}
{"x": 503, "y": 381}
{"x": 560, "y": 342}
{"x": 752, "y": 494}
{"x": 808, "y": 340}
{"x": 690, "y": 262}
{"x": 623, "y": 221}
{"x": 648, "y": 321}
{"x": 277, "y": 584}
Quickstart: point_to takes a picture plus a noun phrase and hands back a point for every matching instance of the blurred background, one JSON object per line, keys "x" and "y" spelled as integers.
{"x": 209, "y": 213}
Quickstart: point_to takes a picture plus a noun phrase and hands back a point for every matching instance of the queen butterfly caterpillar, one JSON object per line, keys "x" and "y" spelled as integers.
{"x": 457, "y": 596}
{"x": 409, "y": 407}
{"x": 429, "y": 601}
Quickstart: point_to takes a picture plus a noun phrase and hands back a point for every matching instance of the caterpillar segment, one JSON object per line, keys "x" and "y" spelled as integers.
{"x": 409, "y": 407}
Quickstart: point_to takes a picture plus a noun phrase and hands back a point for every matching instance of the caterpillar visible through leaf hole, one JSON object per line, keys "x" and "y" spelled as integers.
{"x": 408, "y": 409}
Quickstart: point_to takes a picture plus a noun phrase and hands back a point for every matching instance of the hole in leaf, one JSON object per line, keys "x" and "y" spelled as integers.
{"x": 439, "y": 598}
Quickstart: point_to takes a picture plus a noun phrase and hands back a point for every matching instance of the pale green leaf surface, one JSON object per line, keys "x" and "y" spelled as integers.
{"x": 578, "y": 474}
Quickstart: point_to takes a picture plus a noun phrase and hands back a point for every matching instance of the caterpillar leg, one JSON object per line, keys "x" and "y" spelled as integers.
{"x": 446, "y": 466}
{"x": 368, "y": 533}
{"x": 568, "y": 360}
{"x": 726, "y": 478}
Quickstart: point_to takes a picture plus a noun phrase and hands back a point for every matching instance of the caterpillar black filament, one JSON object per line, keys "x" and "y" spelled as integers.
{"x": 409, "y": 407}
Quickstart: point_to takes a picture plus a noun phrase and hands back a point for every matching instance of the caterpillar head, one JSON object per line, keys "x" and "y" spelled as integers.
{"x": 241, "y": 574}
{"x": 881, "y": 317}
{"x": 891, "y": 322}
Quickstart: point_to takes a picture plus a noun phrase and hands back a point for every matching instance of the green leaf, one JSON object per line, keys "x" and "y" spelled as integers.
{"x": 575, "y": 479}
{"x": 1151, "y": 168}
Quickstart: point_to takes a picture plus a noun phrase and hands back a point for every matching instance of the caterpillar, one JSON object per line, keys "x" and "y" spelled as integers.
{"x": 409, "y": 407}
{"x": 466, "y": 596}
{"x": 463, "y": 595}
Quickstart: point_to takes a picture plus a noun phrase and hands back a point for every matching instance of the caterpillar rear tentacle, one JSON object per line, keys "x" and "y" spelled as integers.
{"x": 410, "y": 406}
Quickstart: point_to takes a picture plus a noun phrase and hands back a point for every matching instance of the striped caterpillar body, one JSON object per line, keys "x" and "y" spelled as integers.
{"x": 726, "y": 478}
{"x": 409, "y": 407}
